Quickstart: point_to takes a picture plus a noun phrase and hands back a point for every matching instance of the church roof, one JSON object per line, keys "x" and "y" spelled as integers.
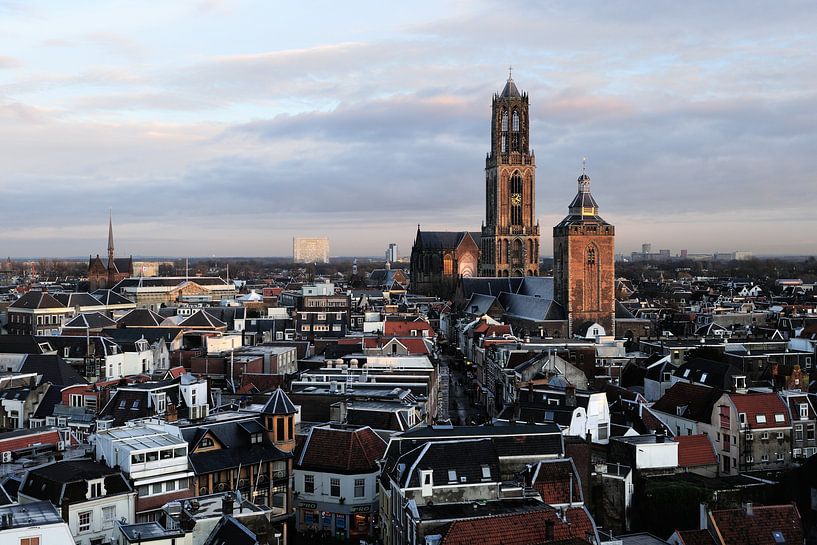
{"x": 443, "y": 240}
{"x": 583, "y": 208}
{"x": 510, "y": 90}
{"x": 279, "y": 403}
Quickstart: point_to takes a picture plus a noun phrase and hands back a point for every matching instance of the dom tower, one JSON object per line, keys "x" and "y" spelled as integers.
{"x": 510, "y": 235}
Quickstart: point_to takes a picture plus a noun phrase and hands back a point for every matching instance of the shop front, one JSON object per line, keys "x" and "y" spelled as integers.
{"x": 334, "y": 519}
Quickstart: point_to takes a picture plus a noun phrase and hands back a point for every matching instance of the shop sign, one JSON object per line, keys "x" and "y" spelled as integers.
{"x": 362, "y": 509}
{"x": 309, "y": 505}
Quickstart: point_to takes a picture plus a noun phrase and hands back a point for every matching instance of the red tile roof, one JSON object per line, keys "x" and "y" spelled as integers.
{"x": 400, "y": 328}
{"x": 695, "y": 451}
{"x": 553, "y": 480}
{"x": 696, "y": 537}
{"x": 769, "y": 405}
{"x": 738, "y": 528}
{"x": 342, "y": 450}
{"x": 521, "y": 529}
{"x": 415, "y": 345}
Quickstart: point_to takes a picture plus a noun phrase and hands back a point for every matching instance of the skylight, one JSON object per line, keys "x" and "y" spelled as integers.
{"x": 778, "y": 536}
{"x": 779, "y": 418}
{"x": 486, "y": 472}
{"x": 452, "y": 476}
{"x": 760, "y": 418}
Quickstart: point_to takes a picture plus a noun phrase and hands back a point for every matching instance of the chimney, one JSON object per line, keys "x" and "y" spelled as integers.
{"x": 570, "y": 396}
{"x": 227, "y": 504}
{"x": 549, "y": 530}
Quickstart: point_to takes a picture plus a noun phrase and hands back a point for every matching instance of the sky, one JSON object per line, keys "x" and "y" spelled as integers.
{"x": 227, "y": 128}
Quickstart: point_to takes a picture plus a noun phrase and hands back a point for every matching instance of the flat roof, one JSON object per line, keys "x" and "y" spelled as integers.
{"x": 147, "y": 531}
{"x": 37, "y": 513}
{"x": 141, "y": 437}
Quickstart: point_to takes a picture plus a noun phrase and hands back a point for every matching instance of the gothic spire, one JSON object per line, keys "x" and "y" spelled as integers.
{"x": 110, "y": 239}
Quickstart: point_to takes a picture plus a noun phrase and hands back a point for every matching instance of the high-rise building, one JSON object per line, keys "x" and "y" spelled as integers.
{"x": 510, "y": 236}
{"x": 584, "y": 263}
{"x": 391, "y": 252}
{"x": 310, "y": 250}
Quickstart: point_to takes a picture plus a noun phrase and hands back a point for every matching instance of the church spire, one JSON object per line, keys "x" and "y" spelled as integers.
{"x": 110, "y": 238}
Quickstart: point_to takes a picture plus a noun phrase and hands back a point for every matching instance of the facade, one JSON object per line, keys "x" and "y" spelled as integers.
{"x": 310, "y": 250}
{"x": 90, "y": 496}
{"x": 154, "y": 293}
{"x": 336, "y": 481}
{"x": 439, "y": 258}
{"x": 320, "y": 312}
{"x": 102, "y": 276}
{"x": 510, "y": 235}
{"x": 37, "y": 313}
{"x": 154, "y": 461}
{"x": 584, "y": 263}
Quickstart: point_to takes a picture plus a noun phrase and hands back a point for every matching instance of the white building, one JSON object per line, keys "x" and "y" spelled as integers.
{"x": 310, "y": 250}
{"x": 36, "y": 523}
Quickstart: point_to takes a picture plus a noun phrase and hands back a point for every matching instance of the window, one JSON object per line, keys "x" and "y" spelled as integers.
{"x": 452, "y": 476}
{"x": 279, "y": 430}
{"x": 109, "y": 514}
{"x": 96, "y": 489}
{"x": 760, "y": 418}
{"x": 34, "y": 540}
{"x": 85, "y": 521}
{"x": 360, "y": 488}
{"x": 161, "y": 402}
{"x": 602, "y": 432}
{"x": 804, "y": 411}
{"x": 170, "y": 486}
{"x": 486, "y": 472}
{"x": 742, "y": 418}
{"x": 591, "y": 256}
{"x": 334, "y": 488}
{"x": 779, "y": 456}
{"x": 156, "y": 488}
{"x": 764, "y": 436}
{"x": 810, "y": 432}
{"x": 780, "y": 436}
{"x": 704, "y": 376}
{"x": 309, "y": 484}
{"x": 798, "y": 432}
{"x": 764, "y": 458}
{"x": 779, "y": 418}
{"x": 206, "y": 442}
{"x": 255, "y": 438}
{"x": 749, "y": 459}
{"x": 77, "y": 400}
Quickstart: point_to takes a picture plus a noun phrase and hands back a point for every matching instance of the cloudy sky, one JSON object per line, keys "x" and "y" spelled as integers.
{"x": 227, "y": 128}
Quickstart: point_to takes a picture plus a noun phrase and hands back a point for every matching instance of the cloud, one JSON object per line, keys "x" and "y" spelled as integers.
{"x": 9, "y": 62}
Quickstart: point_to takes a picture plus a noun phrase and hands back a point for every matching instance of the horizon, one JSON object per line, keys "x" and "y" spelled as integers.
{"x": 203, "y": 139}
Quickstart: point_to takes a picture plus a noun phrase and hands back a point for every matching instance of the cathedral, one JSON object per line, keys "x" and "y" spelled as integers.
{"x": 510, "y": 234}
{"x": 101, "y": 276}
{"x": 578, "y": 299}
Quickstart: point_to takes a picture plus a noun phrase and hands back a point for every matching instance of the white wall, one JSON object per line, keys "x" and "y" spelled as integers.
{"x": 347, "y": 487}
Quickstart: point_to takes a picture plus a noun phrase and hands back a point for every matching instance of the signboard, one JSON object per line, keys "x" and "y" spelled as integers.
{"x": 362, "y": 509}
{"x": 309, "y": 505}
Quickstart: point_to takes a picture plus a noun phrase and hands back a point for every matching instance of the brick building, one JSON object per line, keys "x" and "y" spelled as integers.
{"x": 102, "y": 276}
{"x": 584, "y": 266}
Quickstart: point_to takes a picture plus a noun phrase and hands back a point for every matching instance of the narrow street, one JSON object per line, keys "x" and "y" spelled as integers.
{"x": 461, "y": 410}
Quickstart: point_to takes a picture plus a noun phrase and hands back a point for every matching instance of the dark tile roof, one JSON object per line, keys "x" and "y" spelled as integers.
{"x": 72, "y": 300}
{"x": 695, "y": 401}
{"x": 230, "y": 531}
{"x": 279, "y": 403}
{"x": 19, "y": 344}
{"x": 36, "y": 300}
{"x": 466, "y": 457}
{"x": 150, "y": 334}
{"x": 52, "y": 368}
{"x": 110, "y": 297}
{"x": 53, "y": 396}
{"x": 711, "y": 373}
{"x": 202, "y": 318}
{"x": 342, "y": 450}
{"x": 232, "y": 457}
{"x": 441, "y": 239}
{"x": 89, "y": 320}
{"x": 126, "y": 405}
{"x": 68, "y": 481}
{"x": 140, "y": 317}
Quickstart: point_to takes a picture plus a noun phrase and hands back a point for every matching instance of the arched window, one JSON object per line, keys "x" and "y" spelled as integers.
{"x": 505, "y": 120}
{"x": 591, "y": 256}
{"x": 515, "y": 134}
{"x": 515, "y": 123}
{"x": 448, "y": 265}
{"x": 516, "y": 199}
{"x": 503, "y": 138}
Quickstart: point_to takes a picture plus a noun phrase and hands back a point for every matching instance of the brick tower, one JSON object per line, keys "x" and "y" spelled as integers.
{"x": 584, "y": 263}
{"x": 510, "y": 234}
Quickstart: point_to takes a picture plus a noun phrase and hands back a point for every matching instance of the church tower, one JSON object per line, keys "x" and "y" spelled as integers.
{"x": 510, "y": 234}
{"x": 584, "y": 264}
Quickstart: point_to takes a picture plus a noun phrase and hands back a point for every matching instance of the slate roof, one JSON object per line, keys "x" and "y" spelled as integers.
{"x": 150, "y": 334}
{"x": 523, "y": 529}
{"x": 237, "y": 448}
{"x": 342, "y": 450}
{"x": 140, "y": 317}
{"x": 202, "y": 319}
{"x": 541, "y": 286}
{"x": 230, "y": 531}
{"x": 82, "y": 299}
{"x": 738, "y": 528}
{"x": 52, "y": 368}
{"x": 464, "y": 456}
{"x": 279, "y": 403}
{"x": 53, "y": 396}
{"x": 711, "y": 373}
{"x": 89, "y": 320}
{"x": 695, "y": 451}
{"x": 696, "y": 401}
{"x": 510, "y": 90}
{"x": 442, "y": 239}
{"x": 530, "y": 308}
{"x": 36, "y": 300}
{"x": 479, "y": 303}
{"x": 110, "y": 297}
{"x": 19, "y": 344}
{"x": 68, "y": 481}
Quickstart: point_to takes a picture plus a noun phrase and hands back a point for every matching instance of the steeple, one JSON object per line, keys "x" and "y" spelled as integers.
{"x": 510, "y": 90}
{"x": 584, "y": 204}
{"x": 110, "y": 239}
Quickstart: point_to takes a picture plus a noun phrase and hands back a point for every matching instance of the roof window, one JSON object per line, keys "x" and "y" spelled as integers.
{"x": 779, "y": 418}
{"x": 452, "y": 476}
{"x": 486, "y": 472}
{"x": 760, "y": 418}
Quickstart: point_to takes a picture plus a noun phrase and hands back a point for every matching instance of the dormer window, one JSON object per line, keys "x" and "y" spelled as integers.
{"x": 95, "y": 489}
{"x": 704, "y": 377}
{"x": 686, "y": 373}
{"x": 255, "y": 438}
{"x": 206, "y": 442}
{"x": 804, "y": 411}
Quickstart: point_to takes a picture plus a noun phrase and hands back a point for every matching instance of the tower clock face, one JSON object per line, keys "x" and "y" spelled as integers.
{"x": 516, "y": 199}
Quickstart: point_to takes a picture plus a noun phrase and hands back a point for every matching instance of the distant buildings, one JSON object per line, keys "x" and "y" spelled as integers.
{"x": 391, "y": 252}
{"x": 102, "y": 276}
{"x": 310, "y": 250}
{"x": 646, "y": 254}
